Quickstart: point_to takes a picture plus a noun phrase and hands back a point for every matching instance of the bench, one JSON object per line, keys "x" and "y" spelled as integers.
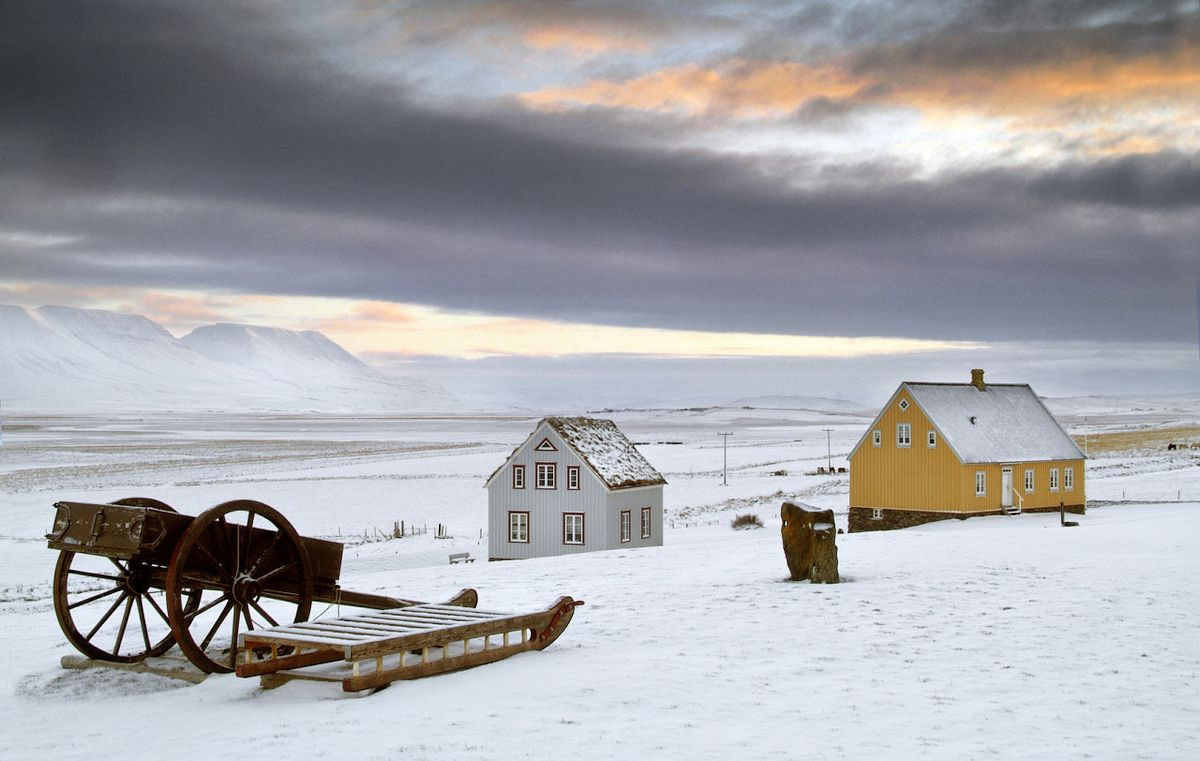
{"x": 461, "y": 557}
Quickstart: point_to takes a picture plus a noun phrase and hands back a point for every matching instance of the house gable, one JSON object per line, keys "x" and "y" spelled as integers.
{"x": 543, "y": 440}
{"x": 902, "y": 394}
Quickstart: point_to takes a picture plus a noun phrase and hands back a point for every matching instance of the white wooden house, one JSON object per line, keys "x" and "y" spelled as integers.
{"x": 575, "y": 485}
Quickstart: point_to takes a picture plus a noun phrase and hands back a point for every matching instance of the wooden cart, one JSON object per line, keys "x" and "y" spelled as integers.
{"x": 135, "y": 577}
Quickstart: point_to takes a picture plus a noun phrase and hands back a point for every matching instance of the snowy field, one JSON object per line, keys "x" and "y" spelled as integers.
{"x": 991, "y": 638}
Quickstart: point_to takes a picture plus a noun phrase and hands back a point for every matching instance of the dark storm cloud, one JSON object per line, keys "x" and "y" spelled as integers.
{"x": 191, "y": 146}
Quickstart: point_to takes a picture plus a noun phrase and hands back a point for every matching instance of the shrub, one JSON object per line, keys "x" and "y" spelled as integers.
{"x": 742, "y": 522}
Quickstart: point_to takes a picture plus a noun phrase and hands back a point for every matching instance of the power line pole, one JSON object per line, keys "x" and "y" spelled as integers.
{"x": 725, "y": 458}
{"x": 828, "y": 449}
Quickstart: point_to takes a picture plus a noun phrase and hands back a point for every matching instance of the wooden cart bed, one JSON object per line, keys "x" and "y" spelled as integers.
{"x": 383, "y": 646}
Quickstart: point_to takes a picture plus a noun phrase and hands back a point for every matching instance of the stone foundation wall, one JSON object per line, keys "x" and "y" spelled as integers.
{"x": 861, "y": 520}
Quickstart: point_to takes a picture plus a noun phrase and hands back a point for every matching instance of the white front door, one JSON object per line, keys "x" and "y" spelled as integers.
{"x": 1006, "y": 493}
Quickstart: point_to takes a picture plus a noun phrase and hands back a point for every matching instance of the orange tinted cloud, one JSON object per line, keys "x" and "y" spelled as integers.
{"x": 753, "y": 89}
{"x": 581, "y": 41}
{"x": 382, "y": 311}
{"x": 739, "y": 88}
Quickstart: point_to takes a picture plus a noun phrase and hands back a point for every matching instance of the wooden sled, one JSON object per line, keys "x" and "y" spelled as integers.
{"x": 384, "y": 646}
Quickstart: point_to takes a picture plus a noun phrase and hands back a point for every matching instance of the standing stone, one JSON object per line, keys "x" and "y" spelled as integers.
{"x": 809, "y": 543}
{"x": 825, "y": 559}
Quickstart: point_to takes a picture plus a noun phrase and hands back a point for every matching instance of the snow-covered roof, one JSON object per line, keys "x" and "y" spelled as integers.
{"x": 603, "y": 448}
{"x": 1004, "y": 422}
{"x": 606, "y": 451}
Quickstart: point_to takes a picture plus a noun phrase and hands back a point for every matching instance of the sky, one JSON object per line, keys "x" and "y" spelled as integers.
{"x": 658, "y": 190}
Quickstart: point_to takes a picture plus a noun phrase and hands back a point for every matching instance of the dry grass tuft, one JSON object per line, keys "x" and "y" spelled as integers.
{"x": 745, "y": 521}
{"x": 1131, "y": 441}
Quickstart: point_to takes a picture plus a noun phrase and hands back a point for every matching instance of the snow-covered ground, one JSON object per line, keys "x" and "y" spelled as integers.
{"x": 997, "y": 637}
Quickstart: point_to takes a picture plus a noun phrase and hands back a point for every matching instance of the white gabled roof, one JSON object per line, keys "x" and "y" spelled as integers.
{"x": 603, "y": 448}
{"x": 1005, "y": 422}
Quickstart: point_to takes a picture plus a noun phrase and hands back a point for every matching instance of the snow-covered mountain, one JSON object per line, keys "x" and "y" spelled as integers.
{"x": 59, "y": 358}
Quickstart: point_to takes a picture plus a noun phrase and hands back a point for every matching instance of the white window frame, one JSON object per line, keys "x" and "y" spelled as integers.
{"x": 876, "y": 514}
{"x": 626, "y": 525}
{"x": 573, "y": 534}
{"x": 547, "y": 475}
{"x": 904, "y": 434}
{"x": 646, "y": 517}
{"x": 981, "y": 483}
{"x": 1030, "y": 481}
{"x": 903, "y": 405}
{"x": 877, "y": 438}
{"x": 1054, "y": 479}
{"x": 518, "y": 526}
{"x": 1069, "y": 479}
{"x": 931, "y": 439}
{"x": 573, "y": 477}
{"x": 518, "y": 476}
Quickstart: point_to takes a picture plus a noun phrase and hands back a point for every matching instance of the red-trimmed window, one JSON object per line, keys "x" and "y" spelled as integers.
{"x": 547, "y": 473}
{"x": 572, "y": 528}
{"x": 518, "y": 478}
{"x": 573, "y": 477}
{"x": 518, "y": 526}
{"x": 626, "y": 525}
{"x": 645, "y": 523}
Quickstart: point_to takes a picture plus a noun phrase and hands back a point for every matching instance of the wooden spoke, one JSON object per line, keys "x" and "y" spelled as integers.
{"x": 93, "y": 598}
{"x": 263, "y": 613}
{"x": 237, "y": 620}
{"x": 91, "y": 575}
{"x": 142, "y": 618}
{"x": 277, "y": 571}
{"x": 106, "y": 616}
{"x": 220, "y": 619}
{"x": 158, "y": 609}
{"x": 192, "y": 614}
{"x": 124, "y": 623}
{"x": 244, "y": 552}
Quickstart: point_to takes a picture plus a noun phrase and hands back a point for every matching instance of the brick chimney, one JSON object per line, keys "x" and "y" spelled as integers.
{"x": 977, "y": 379}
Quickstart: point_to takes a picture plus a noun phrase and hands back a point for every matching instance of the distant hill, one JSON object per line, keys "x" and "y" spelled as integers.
{"x": 59, "y": 358}
{"x": 801, "y": 403}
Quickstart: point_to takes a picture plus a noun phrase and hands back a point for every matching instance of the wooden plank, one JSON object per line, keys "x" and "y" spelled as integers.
{"x": 421, "y": 614}
{"x": 340, "y": 629}
{"x": 282, "y": 640}
{"x": 463, "y": 631}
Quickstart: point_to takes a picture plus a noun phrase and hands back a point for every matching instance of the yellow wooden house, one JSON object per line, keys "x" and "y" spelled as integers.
{"x": 956, "y": 450}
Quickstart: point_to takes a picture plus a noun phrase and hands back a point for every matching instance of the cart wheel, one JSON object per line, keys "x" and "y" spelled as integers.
{"x": 108, "y": 608}
{"x": 246, "y": 576}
